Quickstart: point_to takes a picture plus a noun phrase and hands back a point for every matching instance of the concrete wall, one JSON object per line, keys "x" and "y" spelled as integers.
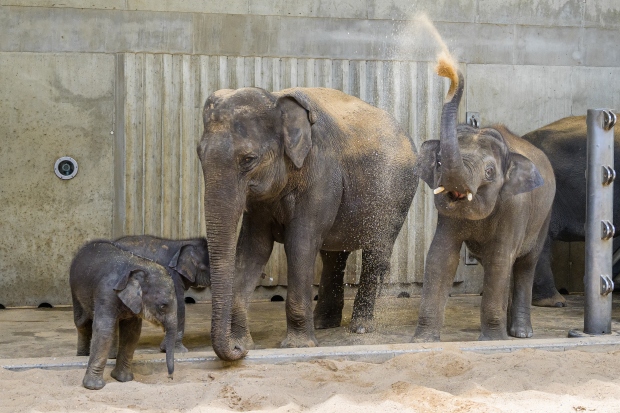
{"x": 73, "y": 73}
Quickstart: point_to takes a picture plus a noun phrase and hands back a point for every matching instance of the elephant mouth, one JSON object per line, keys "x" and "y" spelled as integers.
{"x": 457, "y": 196}
{"x": 454, "y": 196}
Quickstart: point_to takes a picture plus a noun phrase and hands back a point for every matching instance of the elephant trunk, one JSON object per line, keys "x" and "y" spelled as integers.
{"x": 170, "y": 339}
{"x": 452, "y": 168}
{"x": 224, "y": 204}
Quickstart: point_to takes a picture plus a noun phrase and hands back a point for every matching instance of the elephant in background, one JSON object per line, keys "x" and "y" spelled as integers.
{"x": 113, "y": 289}
{"x": 316, "y": 170}
{"x": 565, "y": 144}
{"x": 186, "y": 260}
{"x": 494, "y": 192}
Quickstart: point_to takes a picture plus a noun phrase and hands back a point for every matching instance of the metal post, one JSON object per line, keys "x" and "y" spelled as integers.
{"x": 600, "y": 175}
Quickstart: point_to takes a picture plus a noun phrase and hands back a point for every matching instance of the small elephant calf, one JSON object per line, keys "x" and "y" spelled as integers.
{"x": 111, "y": 287}
{"x": 186, "y": 260}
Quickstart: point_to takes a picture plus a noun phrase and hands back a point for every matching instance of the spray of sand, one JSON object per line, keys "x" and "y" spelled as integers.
{"x": 446, "y": 63}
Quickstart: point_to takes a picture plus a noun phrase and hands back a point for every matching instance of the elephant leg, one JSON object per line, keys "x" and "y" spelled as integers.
{"x": 301, "y": 255}
{"x": 85, "y": 334}
{"x": 523, "y": 277}
{"x": 179, "y": 290}
{"x": 129, "y": 334}
{"x": 328, "y": 310}
{"x": 375, "y": 266}
{"x": 544, "y": 293}
{"x": 114, "y": 346}
{"x": 103, "y": 329}
{"x": 253, "y": 251}
{"x": 84, "y": 326}
{"x": 495, "y": 296}
{"x": 442, "y": 261}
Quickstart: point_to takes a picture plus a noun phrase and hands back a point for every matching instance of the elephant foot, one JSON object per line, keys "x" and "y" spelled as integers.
{"x": 327, "y": 322}
{"x": 93, "y": 382}
{"x": 362, "y": 326}
{"x": 112, "y": 353}
{"x": 521, "y": 326}
{"x": 294, "y": 341}
{"x": 557, "y": 300}
{"x": 122, "y": 374}
{"x": 421, "y": 336}
{"x": 82, "y": 352}
{"x": 327, "y": 317}
{"x": 522, "y": 332}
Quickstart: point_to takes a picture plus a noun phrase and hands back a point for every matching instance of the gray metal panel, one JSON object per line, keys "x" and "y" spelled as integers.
{"x": 162, "y": 115}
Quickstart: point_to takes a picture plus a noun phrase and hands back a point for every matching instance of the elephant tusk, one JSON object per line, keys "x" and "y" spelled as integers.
{"x": 438, "y": 190}
{"x": 470, "y": 196}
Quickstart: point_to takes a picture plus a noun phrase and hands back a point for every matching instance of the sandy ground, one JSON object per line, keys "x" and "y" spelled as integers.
{"x": 448, "y": 381}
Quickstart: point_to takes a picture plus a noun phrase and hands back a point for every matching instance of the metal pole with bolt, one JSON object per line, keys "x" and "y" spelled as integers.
{"x": 600, "y": 230}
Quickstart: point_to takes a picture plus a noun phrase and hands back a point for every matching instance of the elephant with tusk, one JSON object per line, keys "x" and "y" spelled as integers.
{"x": 493, "y": 191}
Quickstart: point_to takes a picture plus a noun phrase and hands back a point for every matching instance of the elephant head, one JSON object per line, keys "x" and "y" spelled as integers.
{"x": 469, "y": 168}
{"x": 192, "y": 262}
{"x": 151, "y": 295}
{"x": 252, "y": 141}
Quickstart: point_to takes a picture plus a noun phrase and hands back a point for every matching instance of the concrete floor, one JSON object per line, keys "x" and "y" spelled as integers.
{"x": 32, "y": 333}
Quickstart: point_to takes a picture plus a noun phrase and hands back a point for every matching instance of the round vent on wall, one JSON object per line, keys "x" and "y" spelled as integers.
{"x": 66, "y": 167}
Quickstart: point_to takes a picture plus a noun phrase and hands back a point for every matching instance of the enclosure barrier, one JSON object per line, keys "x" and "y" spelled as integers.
{"x": 600, "y": 175}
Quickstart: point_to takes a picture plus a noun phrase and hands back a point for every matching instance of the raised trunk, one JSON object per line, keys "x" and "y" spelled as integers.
{"x": 452, "y": 168}
{"x": 171, "y": 335}
{"x": 224, "y": 204}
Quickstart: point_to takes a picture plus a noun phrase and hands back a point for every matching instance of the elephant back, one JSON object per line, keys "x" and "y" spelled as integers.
{"x": 352, "y": 125}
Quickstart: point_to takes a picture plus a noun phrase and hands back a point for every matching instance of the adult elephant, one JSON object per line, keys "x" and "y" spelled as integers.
{"x": 316, "y": 170}
{"x": 564, "y": 143}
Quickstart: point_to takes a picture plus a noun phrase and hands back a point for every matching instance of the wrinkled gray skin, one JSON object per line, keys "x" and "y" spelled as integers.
{"x": 504, "y": 225}
{"x": 316, "y": 170}
{"x": 187, "y": 261}
{"x": 565, "y": 144}
{"x": 111, "y": 288}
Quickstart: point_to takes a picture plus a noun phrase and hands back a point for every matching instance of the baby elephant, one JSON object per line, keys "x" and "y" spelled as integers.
{"x": 109, "y": 287}
{"x": 187, "y": 261}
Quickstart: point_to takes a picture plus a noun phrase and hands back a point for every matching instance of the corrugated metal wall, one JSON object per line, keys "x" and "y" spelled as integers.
{"x": 164, "y": 95}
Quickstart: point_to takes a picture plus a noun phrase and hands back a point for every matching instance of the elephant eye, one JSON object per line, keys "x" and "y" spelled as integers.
{"x": 248, "y": 161}
{"x": 489, "y": 173}
{"x": 161, "y": 307}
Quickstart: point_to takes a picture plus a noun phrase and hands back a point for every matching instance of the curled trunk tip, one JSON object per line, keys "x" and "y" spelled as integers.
{"x": 446, "y": 67}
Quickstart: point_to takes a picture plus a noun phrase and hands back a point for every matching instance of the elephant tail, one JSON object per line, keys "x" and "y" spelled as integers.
{"x": 446, "y": 67}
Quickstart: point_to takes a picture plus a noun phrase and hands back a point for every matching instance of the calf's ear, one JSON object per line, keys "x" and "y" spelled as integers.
{"x": 522, "y": 176}
{"x": 129, "y": 291}
{"x": 185, "y": 263}
{"x": 427, "y": 161}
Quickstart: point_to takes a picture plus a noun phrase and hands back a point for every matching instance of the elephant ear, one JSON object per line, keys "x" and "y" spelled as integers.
{"x": 522, "y": 176}
{"x": 128, "y": 289}
{"x": 427, "y": 162}
{"x": 184, "y": 263}
{"x": 296, "y": 130}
